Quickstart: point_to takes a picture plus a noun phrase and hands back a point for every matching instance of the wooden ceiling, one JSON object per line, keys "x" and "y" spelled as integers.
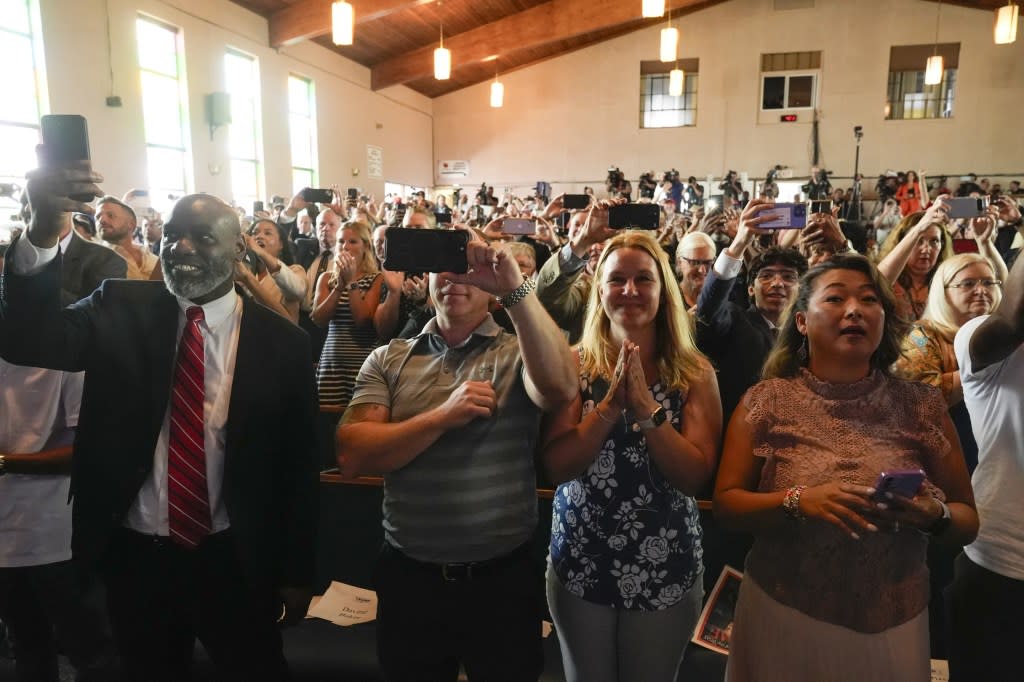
{"x": 395, "y": 39}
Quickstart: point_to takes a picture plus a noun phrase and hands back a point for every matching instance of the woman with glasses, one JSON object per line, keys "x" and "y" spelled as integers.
{"x": 625, "y": 578}
{"x": 836, "y": 584}
{"x": 914, "y": 249}
{"x": 964, "y": 287}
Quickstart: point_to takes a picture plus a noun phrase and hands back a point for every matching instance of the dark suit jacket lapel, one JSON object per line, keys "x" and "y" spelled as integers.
{"x": 160, "y": 355}
{"x": 246, "y": 375}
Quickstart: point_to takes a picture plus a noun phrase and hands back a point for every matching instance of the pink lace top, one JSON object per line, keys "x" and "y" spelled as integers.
{"x": 811, "y": 432}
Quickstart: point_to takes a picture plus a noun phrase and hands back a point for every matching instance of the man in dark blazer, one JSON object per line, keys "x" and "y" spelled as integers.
{"x": 253, "y": 565}
{"x": 85, "y": 265}
{"x": 736, "y": 339}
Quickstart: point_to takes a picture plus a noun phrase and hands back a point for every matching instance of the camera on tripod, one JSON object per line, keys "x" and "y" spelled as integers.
{"x": 647, "y": 186}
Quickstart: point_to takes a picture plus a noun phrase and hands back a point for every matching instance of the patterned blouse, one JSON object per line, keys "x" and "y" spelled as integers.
{"x": 808, "y": 432}
{"x": 928, "y": 357}
{"x": 621, "y": 534}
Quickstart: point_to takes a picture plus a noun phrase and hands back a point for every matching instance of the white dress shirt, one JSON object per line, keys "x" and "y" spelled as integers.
{"x": 220, "y": 327}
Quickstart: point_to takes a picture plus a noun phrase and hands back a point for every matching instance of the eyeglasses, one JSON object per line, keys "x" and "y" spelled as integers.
{"x": 695, "y": 263}
{"x": 972, "y": 284}
{"x": 766, "y": 276}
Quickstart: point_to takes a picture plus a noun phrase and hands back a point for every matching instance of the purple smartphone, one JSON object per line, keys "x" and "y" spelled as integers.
{"x": 905, "y": 483}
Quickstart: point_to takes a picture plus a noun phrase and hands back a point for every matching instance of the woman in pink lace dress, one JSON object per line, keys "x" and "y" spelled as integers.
{"x": 836, "y": 586}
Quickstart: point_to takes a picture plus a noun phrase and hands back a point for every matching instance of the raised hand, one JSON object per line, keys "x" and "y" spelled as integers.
{"x": 49, "y": 192}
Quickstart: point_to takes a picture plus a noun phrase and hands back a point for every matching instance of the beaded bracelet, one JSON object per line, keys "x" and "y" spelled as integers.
{"x": 791, "y": 502}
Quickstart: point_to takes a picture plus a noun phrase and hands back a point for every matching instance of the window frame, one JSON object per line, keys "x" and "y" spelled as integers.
{"x": 40, "y": 95}
{"x": 815, "y": 74}
{"x": 255, "y": 103}
{"x": 651, "y": 70}
{"x": 312, "y": 172}
{"x": 180, "y": 80}
{"x": 944, "y": 91}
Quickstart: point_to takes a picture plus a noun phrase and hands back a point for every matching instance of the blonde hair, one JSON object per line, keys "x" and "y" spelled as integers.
{"x": 678, "y": 360}
{"x": 521, "y": 249}
{"x": 939, "y": 311}
{"x": 900, "y": 231}
{"x": 367, "y": 264}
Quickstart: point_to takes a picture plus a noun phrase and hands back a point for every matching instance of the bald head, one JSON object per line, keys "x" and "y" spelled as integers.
{"x": 201, "y": 244}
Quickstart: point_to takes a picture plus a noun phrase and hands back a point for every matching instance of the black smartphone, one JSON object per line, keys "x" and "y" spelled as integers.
{"x": 409, "y": 249}
{"x": 317, "y": 196}
{"x": 65, "y": 139}
{"x": 257, "y": 207}
{"x": 820, "y": 206}
{"x": 353, "y": 194}
{"x": 636, "y": 216}
{"x": 571, "y": 201}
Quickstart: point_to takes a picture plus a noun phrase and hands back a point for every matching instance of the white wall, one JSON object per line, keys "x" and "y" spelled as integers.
{"x": 350, "y": 115}
{"x": 567, "y": 119}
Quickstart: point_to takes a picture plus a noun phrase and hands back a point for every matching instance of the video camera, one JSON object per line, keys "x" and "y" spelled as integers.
{"x": 647, "y": 186}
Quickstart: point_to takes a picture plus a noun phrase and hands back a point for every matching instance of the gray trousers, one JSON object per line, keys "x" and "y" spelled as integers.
{"x": 602, "y": 644}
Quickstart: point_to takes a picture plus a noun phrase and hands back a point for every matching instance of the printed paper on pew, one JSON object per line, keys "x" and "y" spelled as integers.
{"x": 940, "y": 670}
{"x": 345, "y": 605}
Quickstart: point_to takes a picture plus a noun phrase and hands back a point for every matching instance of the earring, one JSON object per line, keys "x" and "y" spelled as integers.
{"x": 802, "y": 351}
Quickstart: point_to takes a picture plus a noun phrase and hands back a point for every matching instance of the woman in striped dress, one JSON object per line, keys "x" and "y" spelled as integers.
{"x": 346, "y": 301}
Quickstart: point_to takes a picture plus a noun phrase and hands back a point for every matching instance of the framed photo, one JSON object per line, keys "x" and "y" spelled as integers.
{"x": 714, "y": 629}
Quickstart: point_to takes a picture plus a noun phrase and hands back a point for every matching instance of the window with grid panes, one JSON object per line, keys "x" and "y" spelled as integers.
{"x": 164, "y": 110}
{"x": 302, "y": 131}
{"x": 789, "y": 80}
{"x": 908, "y": 97}
{"x": 659, "y": 109}
{"x": 242, "y": 78}
{"x": 24, "y": 99}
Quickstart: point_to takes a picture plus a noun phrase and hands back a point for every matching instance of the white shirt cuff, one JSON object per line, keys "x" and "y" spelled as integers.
{"x": 727, "y": 267}
{"x": 28, "y": 259}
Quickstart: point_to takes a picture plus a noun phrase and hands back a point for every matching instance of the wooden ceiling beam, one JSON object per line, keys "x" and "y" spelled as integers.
{"x": 309, "y": 19}
{"x": 551, "y": 22}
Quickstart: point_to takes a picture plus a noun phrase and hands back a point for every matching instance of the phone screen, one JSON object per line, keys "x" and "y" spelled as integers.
{"x": 575, "y": 201}
{"x": 636, "y": 216}
{"x": 518, "y": 226}
{"x": 415, "y": 250}
{"x": 788, "y": 217}
{"x": 820, "y": 206}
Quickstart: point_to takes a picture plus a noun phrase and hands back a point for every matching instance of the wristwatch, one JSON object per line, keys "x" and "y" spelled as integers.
{"x": 656, "y": 419}
{"x": 942, "y": 523}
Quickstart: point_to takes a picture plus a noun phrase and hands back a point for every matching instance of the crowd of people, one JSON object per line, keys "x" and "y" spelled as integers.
{"x": 778, "y": 372}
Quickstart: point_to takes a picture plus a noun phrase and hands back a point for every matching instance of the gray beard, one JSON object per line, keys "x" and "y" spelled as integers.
{"x": 195, "y": 287}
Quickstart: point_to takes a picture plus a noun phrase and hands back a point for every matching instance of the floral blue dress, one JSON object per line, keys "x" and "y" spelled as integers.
{"x": 621, "y": 534}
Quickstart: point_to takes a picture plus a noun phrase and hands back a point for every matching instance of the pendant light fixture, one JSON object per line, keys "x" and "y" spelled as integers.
{"x": 653, "y": 9}
{"x": 669, "y": 40}
{"x": 675, "y": 81}
{"x": 934, "y": 68}
{"x": 442, "y": 57}
{"x": 1005, "y": 30}
{"x": 343, "y": 23}
{"x": 497, "y": 93}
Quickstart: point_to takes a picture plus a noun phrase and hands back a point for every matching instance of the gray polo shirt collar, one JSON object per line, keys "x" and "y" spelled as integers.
{"x": 487, "y": 328}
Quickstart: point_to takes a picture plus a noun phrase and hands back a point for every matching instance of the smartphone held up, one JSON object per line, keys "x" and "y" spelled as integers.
{"x": 65, "y": 141}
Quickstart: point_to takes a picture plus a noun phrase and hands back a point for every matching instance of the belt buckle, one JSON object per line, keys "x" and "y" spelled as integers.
{"x": 458, "y": 571}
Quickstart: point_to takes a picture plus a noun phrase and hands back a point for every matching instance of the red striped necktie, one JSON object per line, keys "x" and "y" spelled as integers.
{"x": 188, "y": 503}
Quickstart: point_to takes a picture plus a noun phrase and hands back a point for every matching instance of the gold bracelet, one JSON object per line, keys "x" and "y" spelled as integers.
{"x": 603, "y": 418}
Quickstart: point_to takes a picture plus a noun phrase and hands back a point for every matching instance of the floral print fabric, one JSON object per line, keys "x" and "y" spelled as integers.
{"x": 621, "y": 534}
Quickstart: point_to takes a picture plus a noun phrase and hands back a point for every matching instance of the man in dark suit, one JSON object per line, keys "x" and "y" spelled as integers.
{"x": 85, "y": 264}
{"x": 736, "y": 339}
{"x": 194, "y": 470}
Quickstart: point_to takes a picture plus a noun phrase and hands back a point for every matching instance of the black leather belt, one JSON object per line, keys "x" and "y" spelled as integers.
{"x": 460, "y": 571}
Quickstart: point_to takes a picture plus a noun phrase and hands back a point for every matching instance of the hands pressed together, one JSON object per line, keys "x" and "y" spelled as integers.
{"x": 629, "y": 389}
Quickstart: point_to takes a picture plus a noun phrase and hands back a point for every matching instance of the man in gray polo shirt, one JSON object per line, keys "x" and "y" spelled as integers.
{"x": 450, "y": 418}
